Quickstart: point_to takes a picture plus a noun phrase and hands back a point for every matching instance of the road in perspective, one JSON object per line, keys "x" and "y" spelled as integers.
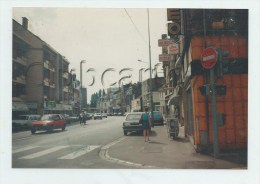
{"x": 76, "y": 147}
{"x": 101, "y": 144}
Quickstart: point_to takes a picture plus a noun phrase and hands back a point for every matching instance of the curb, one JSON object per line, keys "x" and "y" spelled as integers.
{"x": 104, "y": 154}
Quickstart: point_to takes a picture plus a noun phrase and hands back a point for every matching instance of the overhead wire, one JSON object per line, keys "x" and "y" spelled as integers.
{"x": 140, "y": 34}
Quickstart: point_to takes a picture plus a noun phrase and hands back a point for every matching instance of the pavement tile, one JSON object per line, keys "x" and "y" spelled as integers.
{"x": 164, "y": 152}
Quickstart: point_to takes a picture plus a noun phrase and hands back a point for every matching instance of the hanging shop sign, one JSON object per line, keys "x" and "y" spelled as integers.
{"x": 173, "y": 14}
{"x": 51, "y": 104}
{"x": 209, "y": 58}
{"x": 165, "y": 42}
{"x": 165, "y": 57}
{"x": 173, "y": 49}
{"x": 174, "y": 29}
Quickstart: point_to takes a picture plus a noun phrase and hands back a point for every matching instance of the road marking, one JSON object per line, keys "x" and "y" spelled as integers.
{"x": 24, "y": 149}
{"x": 104, "y": 154}
{"x": 45, "y": 152}
{"x": 80, "y": 152}
{"x": 113, "y": 143}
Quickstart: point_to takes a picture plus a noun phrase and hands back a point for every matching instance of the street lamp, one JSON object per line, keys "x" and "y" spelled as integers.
{"x": 141, "y": 61}
{"x": 151, "y": 97}
{"x": 71, "y": 82}
{"x": 80, "y": 93}
{"x": 141, "y": 75}
{"x": 155, "y": 68}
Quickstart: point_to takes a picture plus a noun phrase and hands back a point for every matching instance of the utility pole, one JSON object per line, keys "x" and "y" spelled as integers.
{"x": 150, "y": 87}
{"x": 80, "y": 92}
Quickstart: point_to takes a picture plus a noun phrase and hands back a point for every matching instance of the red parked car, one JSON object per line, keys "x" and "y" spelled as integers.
{"x": 49, "y": 122}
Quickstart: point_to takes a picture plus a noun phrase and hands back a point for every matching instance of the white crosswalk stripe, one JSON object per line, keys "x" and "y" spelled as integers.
{"x": 24, "y": 149}
{"x": 44, "y": 152}
{"x": 80, "y": 152}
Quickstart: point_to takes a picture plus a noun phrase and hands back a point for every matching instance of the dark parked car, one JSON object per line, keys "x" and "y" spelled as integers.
{"x": 104, "y": 115}
{"x": 157, "y": 118}
{"x": 49, "y": 122}
{"x": 88, "y": 116}
{"x": 132, "y": 123}
{"x": 73, "y": 118}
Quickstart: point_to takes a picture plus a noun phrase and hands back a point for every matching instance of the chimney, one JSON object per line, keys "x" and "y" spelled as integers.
{"x": 25, "y": 23}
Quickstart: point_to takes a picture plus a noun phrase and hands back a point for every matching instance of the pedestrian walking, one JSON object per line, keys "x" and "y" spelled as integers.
{"x": 146, "y": 124}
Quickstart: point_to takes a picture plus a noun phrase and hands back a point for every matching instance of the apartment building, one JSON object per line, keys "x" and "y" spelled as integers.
{"x": 41, "y": 81}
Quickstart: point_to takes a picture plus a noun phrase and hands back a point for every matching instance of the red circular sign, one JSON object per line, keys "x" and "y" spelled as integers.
{"x": 209, "y": 58}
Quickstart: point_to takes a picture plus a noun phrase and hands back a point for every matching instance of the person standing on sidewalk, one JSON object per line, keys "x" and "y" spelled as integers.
{"x": 146, "y": 124}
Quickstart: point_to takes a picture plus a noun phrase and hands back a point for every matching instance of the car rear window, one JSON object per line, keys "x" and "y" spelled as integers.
{"x": 49, "y": 117}
{"x": 23, "y": 117}
{"x": 157, "y": 114}
{"x": 133, "y": 117}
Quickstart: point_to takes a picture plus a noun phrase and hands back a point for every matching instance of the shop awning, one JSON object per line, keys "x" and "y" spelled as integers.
{"x": 19, "y": 106}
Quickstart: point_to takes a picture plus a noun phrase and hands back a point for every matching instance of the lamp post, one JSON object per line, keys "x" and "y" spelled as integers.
{"x": 71, "y": 83}
{"x": 150, "y": 62}
{"x": 80, "y": 93}
{"x": 155, "y": 68}
{"x": 140, "y": 75}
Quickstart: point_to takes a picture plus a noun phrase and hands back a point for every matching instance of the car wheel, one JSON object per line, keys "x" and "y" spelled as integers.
{"x": 125, "y": 132}
{"x": 63, "y": 128}
{"x": 50, "y": 128}
{"x": 33, "y": 130}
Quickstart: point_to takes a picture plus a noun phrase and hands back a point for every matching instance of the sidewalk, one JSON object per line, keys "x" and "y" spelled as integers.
{"x": 164, "y": 152}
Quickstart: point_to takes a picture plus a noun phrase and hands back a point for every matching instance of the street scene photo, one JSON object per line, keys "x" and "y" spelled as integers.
{"x": 129, "y": 88}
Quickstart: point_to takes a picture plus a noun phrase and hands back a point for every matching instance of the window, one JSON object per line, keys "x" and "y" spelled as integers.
{"x": 133, "y": 117}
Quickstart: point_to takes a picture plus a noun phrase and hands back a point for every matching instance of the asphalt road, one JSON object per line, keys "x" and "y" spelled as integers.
{"x": 76, "y": 147}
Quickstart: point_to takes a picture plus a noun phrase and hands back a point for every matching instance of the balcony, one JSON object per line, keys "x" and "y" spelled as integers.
{"x": 65, "y": 89}
{"x": 52, "y": 86}
{"x": 65, "y": 75}
{"x": 20, "y": 79}
{"x": 21, "y": 60}
{"x": 46, "y": 82}
{"x": 52, "y": 69}
{"x": 46, "y": 64}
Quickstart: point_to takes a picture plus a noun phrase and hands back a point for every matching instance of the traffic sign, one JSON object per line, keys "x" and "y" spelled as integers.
{"x": 209, "y": 58}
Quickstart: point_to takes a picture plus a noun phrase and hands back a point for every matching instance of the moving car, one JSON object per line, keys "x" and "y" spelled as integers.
{"x": 132, "y": 123}
{"x": 23, "y": 122}
{"x": 158, "y": 118}
{"x": 97, "y": 116}
{"x": 49, "y": 122}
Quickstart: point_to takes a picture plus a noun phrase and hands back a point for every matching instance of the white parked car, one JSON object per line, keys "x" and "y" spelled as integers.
{"x": 97, "y": 116}
{"x": 24, "y": 122}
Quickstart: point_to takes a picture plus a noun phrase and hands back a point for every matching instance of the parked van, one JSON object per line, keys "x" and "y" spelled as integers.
{"x": 24, "y": 122}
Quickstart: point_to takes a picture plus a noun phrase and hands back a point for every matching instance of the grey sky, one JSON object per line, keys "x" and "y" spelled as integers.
{"x": 104, "y": 37}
